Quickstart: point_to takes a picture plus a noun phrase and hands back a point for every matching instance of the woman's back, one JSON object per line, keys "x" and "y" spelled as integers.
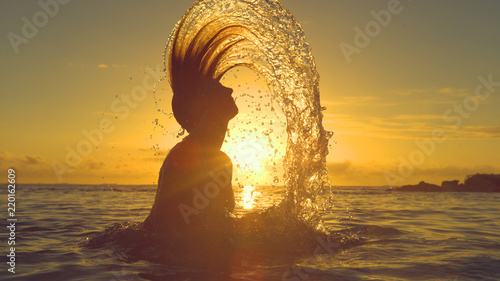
{"x": 194, "y": 191}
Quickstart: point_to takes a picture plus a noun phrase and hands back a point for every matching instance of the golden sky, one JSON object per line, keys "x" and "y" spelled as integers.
{"x": 411, "y": 90}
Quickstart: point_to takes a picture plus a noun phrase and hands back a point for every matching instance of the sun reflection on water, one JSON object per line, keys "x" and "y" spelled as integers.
{"x": 249, "y": 196}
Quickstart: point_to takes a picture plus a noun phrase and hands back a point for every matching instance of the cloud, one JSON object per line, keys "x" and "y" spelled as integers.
{"x": 446, "y": 90}
{"x": 427, "y": 96}
{"x": 155, "y": 150}
{"x": 103, "y": 65}
{"x": 104, "y": 169}
{"x": 351, "y": 100}
{"x": 398, "y": 100}
{"x": 483, "y": 131}
{"x": 154, "y": 159}
{"x": 158, "y": 155}
{"x": 340, "y": 167}
{"x": 373, "y": 173}
{"x": 34, "y": 160}
{"x": 29, "y": 168}
{"x": 4, "y": 155}
{"x": 11, "y": 159}
{"x": 454, "y": 92}
{"x": 405, "y": 126}
{"x": 437, "y": 174}
{"x": 92, "y": 163}
{"x": 380, "y": 127}
{"x": 418, "y": 117}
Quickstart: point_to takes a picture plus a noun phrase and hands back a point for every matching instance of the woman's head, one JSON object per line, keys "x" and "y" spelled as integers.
{"x": 201, "y": 95}
{"x": 196, "y": 59}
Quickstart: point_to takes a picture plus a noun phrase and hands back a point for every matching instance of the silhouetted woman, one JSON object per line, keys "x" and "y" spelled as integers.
{"x": 194, "y": 197}
{"x": 194, "y": 194}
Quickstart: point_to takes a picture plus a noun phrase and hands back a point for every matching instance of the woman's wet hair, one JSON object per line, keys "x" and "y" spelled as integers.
{"x": 195, "y": 55}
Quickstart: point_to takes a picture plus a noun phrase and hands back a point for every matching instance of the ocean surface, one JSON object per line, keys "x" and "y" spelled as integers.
{"x": 385, "y": 236}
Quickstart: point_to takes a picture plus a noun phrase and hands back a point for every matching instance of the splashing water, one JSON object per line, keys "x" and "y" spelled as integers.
{"x": 264, "y": 36}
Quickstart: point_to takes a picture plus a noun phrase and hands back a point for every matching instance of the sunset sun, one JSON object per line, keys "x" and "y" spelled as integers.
{"x": 250, "y": 156}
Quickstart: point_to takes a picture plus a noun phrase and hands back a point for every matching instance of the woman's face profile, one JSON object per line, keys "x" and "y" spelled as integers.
{"x": 217, "y": 98}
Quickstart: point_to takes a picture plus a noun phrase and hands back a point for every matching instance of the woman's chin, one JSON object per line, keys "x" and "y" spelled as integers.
{"x": 233, "y": 112}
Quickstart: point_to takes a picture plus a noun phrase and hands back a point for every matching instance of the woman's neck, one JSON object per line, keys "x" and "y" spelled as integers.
{"x": 210, "y": 134}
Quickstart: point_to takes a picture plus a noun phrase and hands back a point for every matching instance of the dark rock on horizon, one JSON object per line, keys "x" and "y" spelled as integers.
{"x": 421, "y": 186}
{"x": 474, "y": 183}
{"x": 482, "y": 183}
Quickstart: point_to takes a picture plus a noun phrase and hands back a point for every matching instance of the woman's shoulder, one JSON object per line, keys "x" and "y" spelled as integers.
{"x": 223, "y": 157}
{"x": 185, "y": 155}
{"x": 221, "y": 161}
